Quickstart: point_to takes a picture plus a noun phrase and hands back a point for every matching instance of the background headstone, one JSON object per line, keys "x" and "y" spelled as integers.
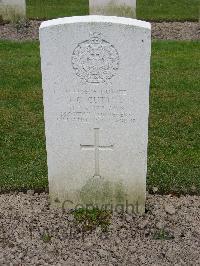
{"x": 96, "y": 74}
{"x": 12, "y": 10}
{"x": 121, "y": 8}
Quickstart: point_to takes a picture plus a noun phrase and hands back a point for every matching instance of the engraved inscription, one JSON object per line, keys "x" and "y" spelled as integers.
{"x": 86, "y": 105}
{"x": 95, "y": 60}
{"x": 96, "y": 147}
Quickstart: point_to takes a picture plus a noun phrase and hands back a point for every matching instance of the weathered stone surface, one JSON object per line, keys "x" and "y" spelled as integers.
{"x": 121, "y": 8}
{"x": 96, "y": 74}
{"x": 12, "y": 10}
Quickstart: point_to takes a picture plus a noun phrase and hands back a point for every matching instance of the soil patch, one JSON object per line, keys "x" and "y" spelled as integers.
{"x": 32, "y": 233}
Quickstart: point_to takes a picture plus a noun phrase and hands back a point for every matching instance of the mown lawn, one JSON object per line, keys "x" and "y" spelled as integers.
{"x": 174, "y": 138}
{"x": 168, "y": 10}
{"x": 23, "y": 157}
{"x": 56, "y": 8}
{"x": 175, "y": 10}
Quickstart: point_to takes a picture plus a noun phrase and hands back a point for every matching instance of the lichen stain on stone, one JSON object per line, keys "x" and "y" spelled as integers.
{"x": 100, "y": 191}
{"x": 115, "y": 10}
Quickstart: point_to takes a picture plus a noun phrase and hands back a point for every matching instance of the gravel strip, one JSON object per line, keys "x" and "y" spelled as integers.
{"x": 162, "y": 30}
{"x": 21, "y": 32}
{"x": 176, "y": 31}
{"x": 32, "y": 233}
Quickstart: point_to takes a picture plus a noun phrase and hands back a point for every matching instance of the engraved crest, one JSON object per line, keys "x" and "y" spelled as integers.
{"x": 95, "y": 60}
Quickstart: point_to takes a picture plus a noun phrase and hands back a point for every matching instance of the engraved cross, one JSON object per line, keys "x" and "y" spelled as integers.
{"x": 96, "y": 147}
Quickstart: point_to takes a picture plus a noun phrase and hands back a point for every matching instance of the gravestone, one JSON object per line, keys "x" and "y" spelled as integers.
{"x": 96, "y": 74}
{"x": 120, "y": 8}
{"x": 12, "y": 10}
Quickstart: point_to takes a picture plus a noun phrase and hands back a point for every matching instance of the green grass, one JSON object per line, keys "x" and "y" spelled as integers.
{"x": 56, "y": 8}
{"x": 22, "y": 153}
{"x": 171, "y": 10}
{"x": 168, "y": 10}
{"x": 174, "y": 140}
{"x": 90, "y": 219}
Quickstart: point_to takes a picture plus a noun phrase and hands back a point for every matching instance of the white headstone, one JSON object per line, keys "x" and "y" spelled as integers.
{"x": 96, "y": 74}
{"x": 121, "y": 8}
{"x": 12, "y": 9}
